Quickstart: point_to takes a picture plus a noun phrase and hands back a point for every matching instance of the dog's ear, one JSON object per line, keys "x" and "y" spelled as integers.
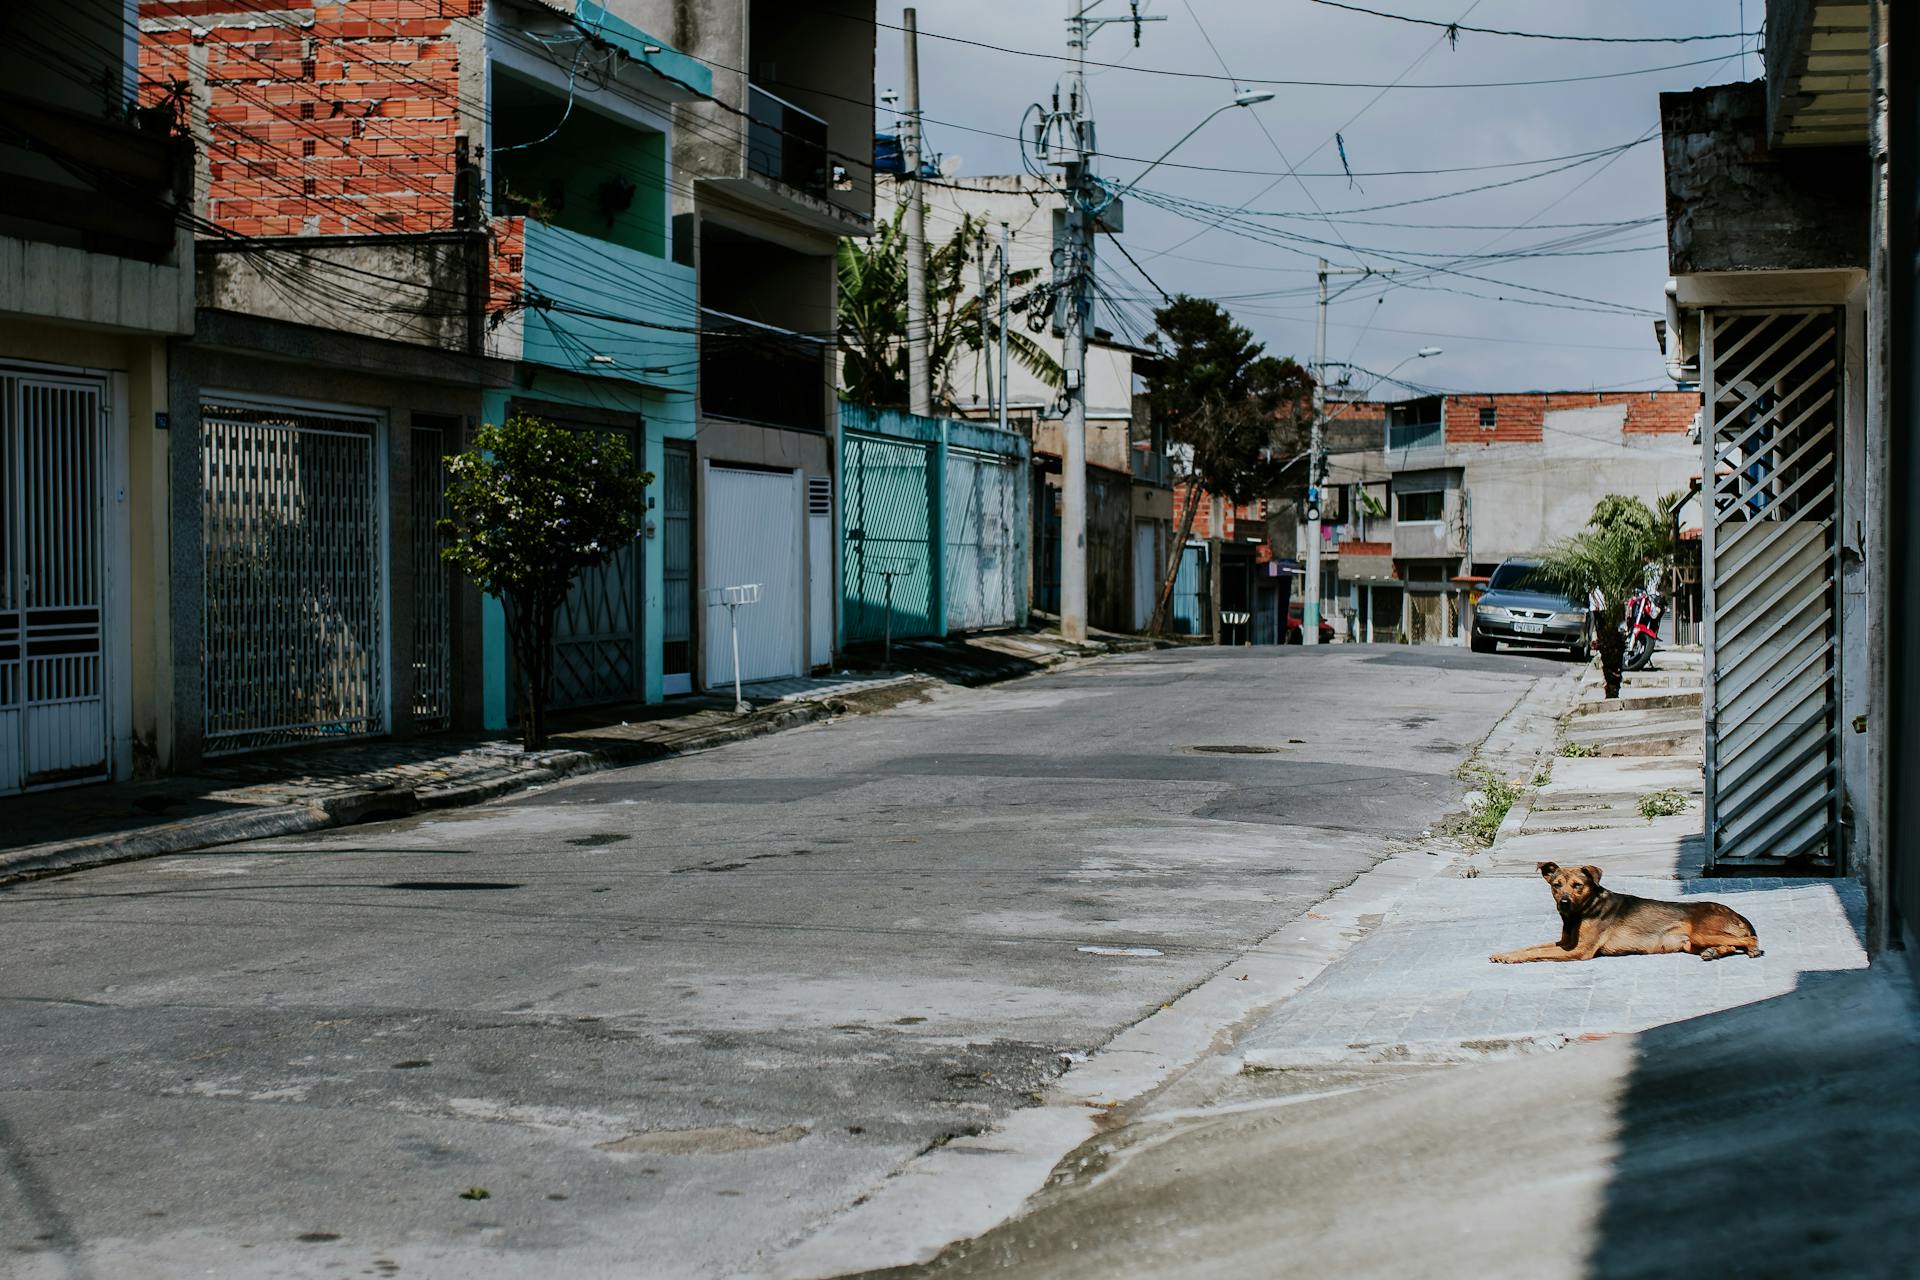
{"x": 1547, "y": 868}
{"x": 1593, "y": 873}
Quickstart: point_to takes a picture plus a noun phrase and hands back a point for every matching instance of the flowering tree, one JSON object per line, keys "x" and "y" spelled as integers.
{"x": 534, "y": 505}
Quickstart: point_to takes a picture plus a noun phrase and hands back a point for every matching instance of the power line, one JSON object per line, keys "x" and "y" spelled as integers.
{"x": 1453, "y": 30}
{"x": 1286, "y": 82}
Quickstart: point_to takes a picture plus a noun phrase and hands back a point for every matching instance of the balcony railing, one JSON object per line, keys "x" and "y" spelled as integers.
{"x": 1415, "y": 435}
{"x": 785, "y": 143}
{"x": 100, "y": 185}
{"x": 759, "y": 373}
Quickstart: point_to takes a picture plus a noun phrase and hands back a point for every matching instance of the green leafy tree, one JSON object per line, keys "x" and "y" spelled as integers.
{"x": 535, "y": 505}
{"x": 873, "y": 316}
{"x": 1235, "y": 416}
{"x": 1607, "y": 562}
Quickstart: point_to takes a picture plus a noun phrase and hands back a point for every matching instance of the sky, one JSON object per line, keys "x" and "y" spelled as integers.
{"x": 1183, "y": 229}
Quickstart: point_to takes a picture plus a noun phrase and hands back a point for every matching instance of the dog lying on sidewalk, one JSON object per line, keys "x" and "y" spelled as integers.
{"x": 1597, "y": 922}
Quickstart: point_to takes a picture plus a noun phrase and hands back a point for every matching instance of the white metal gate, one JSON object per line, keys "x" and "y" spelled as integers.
{"x": 753, "y": 535}
{"x": 53, "y": 706}
{"x": 1769, "y": 585}
{"x": 294, "y": 552}
{"x": 1147, "y": 569}
{"x": 984, "y": 554}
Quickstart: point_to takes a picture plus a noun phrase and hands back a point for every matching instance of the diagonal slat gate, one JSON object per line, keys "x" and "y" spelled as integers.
{"x": 1770, "y": 586}
{"x": 885, "y": 509}
{"x": 984, "y": 550}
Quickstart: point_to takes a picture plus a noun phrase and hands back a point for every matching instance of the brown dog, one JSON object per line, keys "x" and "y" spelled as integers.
{"x": 1597, "y": 922}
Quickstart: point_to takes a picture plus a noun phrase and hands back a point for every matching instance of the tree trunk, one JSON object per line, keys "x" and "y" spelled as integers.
{"x": 1612, "y": 646}
{"x": 1163, "y": 606}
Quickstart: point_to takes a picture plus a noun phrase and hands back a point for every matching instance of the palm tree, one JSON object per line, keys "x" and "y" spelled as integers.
{"x": 873, "y": 316}
{"x": 1607, "y": 562}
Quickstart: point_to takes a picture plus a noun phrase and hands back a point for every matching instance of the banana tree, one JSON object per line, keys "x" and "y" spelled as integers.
{"x": 873, "y": 317}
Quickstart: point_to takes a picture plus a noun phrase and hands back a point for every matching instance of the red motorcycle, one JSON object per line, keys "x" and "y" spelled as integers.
{"x": 1642, "y": 629}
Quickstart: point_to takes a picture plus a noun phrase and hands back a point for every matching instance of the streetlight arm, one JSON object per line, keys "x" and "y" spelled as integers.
{"x": 1206, "y": 120}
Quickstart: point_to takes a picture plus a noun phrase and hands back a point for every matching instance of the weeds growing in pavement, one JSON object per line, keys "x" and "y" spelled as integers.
{"x": 1577, "y": 750}
{"x": 1661, "y": 804}
{"x": 1497, "y": 795}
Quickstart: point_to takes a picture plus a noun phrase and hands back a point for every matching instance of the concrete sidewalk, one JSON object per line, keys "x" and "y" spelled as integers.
{"x": 310, "y": 788}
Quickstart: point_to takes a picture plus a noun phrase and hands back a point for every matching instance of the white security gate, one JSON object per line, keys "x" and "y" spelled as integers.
{"x": 53, "y": 707}
{"x": 985, "y": 558}
{"x": 1769, "y": 585}
{"x": 294, "y": 555}
{"x": 1146, "y": 572}
{"x": 753, "y": 534}
{"x": 596, "y": 638}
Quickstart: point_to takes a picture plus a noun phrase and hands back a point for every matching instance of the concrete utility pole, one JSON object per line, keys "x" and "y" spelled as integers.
{"x": 919, "y": 376}
{"x": 1317, "y": 457}
{"x": 1310, "y": 599}
{"x": 1004, "y": 234}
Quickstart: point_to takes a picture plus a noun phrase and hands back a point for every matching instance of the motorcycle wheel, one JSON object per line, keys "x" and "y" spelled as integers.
{"x": 1639, "y": 654}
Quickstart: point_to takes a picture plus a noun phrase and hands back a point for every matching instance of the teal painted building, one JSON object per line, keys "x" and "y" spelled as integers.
{"x": 601, "y": 322}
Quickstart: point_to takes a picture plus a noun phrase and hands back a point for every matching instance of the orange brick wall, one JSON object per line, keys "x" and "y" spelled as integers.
{"x": 1252, "y": 514}
{"x": 341, "y": 126}
{"x": 1521, "y": 419}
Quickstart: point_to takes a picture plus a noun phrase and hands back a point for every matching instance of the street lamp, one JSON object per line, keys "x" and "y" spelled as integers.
{"x": 1249, "y": 98}
{"x": 1082, "y": 215}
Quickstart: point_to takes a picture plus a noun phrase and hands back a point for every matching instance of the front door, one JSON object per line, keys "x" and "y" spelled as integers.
{"x": 53, "y": 707}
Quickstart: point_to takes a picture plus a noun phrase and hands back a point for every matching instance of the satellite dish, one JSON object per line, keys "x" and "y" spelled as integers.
{"x": 950, "y": 166}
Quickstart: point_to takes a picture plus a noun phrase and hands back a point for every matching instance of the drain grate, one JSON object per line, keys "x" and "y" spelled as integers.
{"x": 1234, "y": 749}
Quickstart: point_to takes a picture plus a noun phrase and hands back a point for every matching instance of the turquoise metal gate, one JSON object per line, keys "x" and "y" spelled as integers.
{"x": 933, "y": 516}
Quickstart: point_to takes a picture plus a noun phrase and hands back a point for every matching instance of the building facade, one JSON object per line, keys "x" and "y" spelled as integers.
{"x": 1129, "y": 491}
{"x": 1427, "y": 496}
{"x": 96, "y": 279}
{"x": 1787, "y": 261}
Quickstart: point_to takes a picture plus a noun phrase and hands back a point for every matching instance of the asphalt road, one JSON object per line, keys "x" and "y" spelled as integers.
{"x": 673, "y": 1017}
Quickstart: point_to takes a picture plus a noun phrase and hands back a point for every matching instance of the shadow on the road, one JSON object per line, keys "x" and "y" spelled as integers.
{"x": 52, "y": 1230}
{"x": 1777, "y": 1139}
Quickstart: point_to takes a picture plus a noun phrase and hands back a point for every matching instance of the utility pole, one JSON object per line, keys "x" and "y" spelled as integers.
{"x": 1004, "y": 234}
{"x": 980, "y": 273}
{"x": 919, "y": 376}
{"x": 1071, "y": 144}
{"x": 1317, "y": 457}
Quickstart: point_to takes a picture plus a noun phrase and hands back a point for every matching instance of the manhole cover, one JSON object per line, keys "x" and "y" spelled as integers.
{"x": 1235, "y": 749}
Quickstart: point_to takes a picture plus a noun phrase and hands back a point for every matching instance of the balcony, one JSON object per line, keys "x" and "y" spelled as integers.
{"x": 1415, "y": 435}
{"x": 760, "y": 373}
{"x": 87, "y": 218}
{"x": 785, "y": 143}
{"x": 591, "y": 307}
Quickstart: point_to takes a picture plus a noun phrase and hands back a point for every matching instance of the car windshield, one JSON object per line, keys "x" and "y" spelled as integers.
{"x": 1517, "y": 575}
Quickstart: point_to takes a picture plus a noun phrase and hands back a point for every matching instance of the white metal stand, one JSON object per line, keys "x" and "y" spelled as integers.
{"x": 734, "y": 598}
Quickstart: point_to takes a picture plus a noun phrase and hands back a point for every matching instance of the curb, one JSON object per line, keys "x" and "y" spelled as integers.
{"x": 347, "y": 808}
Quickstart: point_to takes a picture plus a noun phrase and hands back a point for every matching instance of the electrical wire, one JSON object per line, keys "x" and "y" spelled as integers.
{"x": 1452, "y": 30}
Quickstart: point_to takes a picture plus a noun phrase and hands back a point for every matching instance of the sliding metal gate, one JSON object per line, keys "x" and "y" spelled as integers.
{"x": 295, "y": 611}
{"x": 1770, "y": 585}
{"x": 985, "y": 555}
{"x": 53, "y": 709}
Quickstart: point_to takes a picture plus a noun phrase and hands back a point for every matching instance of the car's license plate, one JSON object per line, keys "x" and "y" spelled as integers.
{"x": 1530, "y": 628}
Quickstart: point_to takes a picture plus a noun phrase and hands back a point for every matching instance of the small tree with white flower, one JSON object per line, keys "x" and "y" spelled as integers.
{"x": 534, "y": 505}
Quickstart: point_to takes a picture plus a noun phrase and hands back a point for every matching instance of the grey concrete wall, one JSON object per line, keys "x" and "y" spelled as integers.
{"x": 418, "y": 289}
{"x": 1734, "y": 204}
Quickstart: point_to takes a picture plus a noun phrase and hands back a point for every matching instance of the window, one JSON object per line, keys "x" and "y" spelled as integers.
{"x": 1417, "y": 507}
{"x": 1489, "y": 417}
